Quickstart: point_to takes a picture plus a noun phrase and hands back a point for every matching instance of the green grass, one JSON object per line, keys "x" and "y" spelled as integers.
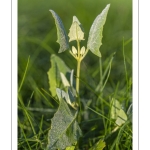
{"x": 101, "y": 79}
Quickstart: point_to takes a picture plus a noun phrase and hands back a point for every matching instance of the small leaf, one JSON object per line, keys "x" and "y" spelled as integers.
{"x": 70, "y": 148}
{"x": 57, "y": 66}
{"x": 75, "y": 32}
{"x": 115, "y": 108}
{"x": 122, "y": 118}
{"x": 61, "y": 33}
{"x": 64, "y": 131}
{"x": 95, "y": 34}
{"x": 64, "y": 80}
{"x": 99, "y": 145}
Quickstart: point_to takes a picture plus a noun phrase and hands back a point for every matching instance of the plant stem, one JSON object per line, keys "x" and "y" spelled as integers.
{"x": 78, "y": 75}
{"x": 77, "y": 89}
{"x": 78, "y": 68}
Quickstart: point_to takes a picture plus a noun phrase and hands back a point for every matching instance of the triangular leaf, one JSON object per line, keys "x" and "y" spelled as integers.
{"x": 76, "y": 19}
{"x": 57, "y": 66}
{"x": 65, "y": 131}
{"x": 76, "y": 32}
{"x": 122, "y": 118}
{"x": 95, "y": 34}
{"x": 61, "y": 33}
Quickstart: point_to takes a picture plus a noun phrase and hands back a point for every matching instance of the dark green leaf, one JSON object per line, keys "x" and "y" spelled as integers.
{"x": 65, "y": 131}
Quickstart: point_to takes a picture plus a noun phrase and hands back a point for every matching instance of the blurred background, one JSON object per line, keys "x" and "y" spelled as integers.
{"x": 37, "y": 37}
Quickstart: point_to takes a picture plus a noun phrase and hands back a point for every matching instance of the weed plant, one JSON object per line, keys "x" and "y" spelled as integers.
{"x": 79, "y": 105}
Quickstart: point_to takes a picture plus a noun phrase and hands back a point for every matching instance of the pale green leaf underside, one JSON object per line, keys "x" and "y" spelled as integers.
{"x": 95, "y": 34}
{"x": 57, "y": 66}
{"x": 76, "y": 32}
{"x": 65, "y": 131}
{"x": 61, "y": 33}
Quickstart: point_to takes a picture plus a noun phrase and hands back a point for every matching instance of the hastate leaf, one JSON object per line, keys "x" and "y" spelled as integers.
{"x": 76, "y": 19}
{"x": 61, "y": 33}
{"x": 64, "y": 131}
{"x": 76, "y": 32}
{"x": 95, "y": 34}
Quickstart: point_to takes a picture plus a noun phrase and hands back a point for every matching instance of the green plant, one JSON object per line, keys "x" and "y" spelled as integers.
{"x": 65, "y": 131}
{"x": 105, "y": 90}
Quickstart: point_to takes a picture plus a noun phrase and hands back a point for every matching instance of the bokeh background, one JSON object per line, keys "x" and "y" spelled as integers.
{"x": 37, "y": 37}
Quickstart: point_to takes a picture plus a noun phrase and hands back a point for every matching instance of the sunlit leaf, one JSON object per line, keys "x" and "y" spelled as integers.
{"x": 95, "y": 34}
{"x": 64, "y": 131}
{"x": 61, "y": 33}
{"x": 76, "y": 32}
{"x": 76, "y": 19}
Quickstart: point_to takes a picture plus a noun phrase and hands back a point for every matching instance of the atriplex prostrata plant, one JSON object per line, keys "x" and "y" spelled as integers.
{"x": 65, "y": 131}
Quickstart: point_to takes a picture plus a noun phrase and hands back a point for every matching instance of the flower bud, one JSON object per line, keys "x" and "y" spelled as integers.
{"x": 74, "y": 50}
{"x": 82, "y": 51}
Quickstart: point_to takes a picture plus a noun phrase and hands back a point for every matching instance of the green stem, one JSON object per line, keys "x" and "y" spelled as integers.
{"x": 77, "y": 88}
{"x": 78, "y": 76}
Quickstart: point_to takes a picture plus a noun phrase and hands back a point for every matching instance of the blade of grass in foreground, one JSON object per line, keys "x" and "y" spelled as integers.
{"x": 24, "y": 74}
{"x": 19, "y": 123}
